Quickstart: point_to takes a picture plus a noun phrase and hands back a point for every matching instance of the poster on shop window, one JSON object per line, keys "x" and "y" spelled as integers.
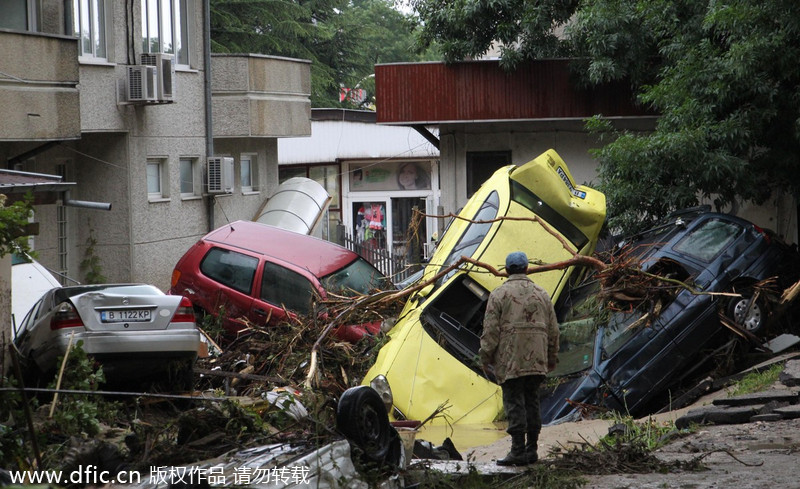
{"x": 394, "y": 175}
{"x": 371, "y": 223}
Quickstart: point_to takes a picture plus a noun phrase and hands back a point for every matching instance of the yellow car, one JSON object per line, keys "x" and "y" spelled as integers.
{"x": 431, "y": 357}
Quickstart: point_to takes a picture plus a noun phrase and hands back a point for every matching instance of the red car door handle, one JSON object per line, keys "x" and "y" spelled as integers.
{"x": 260, "y": 312}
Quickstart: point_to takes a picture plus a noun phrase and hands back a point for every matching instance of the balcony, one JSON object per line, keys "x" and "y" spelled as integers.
{"x": 260, "y": 96}
{"x": 39, "y": 87}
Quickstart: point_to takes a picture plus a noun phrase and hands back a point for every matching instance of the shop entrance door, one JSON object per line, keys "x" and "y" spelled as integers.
{"x": 409, "y": 232}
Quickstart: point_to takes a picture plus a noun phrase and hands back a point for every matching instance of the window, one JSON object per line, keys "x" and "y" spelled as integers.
{"x": 156, "y": 174}
{"x": 230, "y": 268}
{"x": 283, "y": 287}
{"x": 246, "y": 173}
{"x": 165, "y": 28}
{"x": 709, "y": 239}
{"x": 481, "y": 165}
{"x": 18, "y": 15}
{"x": 187, "y": 177}
{"x": 473, "y": 235}
{"x": 89, "y": 25}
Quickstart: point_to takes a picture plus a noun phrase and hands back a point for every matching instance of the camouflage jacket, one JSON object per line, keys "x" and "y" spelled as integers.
{"x": 520, "y": 330}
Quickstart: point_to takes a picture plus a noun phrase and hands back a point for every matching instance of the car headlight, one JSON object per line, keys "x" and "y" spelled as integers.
{"x": 381, "y": 385}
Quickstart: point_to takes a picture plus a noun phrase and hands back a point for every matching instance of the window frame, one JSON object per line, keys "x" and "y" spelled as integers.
{"x": 177, "y": 26}
{"x": 95, "y": 14}
{"x": 193, "y": 177}
{"x": 163, "y": 180}
{"x": 249, "y": 159}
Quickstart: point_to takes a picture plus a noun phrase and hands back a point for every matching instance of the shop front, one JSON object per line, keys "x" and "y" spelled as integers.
{"x": 380, "y": 203}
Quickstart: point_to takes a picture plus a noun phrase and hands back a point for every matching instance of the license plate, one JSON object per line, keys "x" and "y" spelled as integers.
{"x": 125, "y": 316}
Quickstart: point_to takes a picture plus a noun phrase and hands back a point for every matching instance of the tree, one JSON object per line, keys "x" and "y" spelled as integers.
{"x": 343, "y": 39}
{"x": 14, "y": 224}
{"x": 722, "y": 76}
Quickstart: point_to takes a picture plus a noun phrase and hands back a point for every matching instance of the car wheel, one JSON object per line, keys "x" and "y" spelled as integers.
{"x": 747, "y": 312}
{"x": 182, "y": 375}
{"x": 361, "y": 417}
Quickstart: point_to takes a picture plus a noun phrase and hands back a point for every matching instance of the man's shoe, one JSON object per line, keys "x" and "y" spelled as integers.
{"x": 513, "y": 459}
{"x": 532, "y": 447}
{"x": 517, "y": 454}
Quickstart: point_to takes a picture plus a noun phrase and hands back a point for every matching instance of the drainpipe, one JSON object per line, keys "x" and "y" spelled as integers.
{"x": 100, "y": 206}
{"x": 211, "y": 200}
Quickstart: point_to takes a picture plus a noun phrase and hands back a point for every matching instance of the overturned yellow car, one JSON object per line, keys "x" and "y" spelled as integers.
{"x": 431, "y": 357}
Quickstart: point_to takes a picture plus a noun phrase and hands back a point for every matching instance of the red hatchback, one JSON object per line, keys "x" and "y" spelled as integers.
{"x": 257, "y": 272}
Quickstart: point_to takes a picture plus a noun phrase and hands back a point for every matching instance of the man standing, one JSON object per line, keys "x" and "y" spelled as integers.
{"x": 520, "y": 339}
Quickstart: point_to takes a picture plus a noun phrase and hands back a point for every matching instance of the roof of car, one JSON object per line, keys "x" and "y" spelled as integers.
{"x": 318, "y": 256}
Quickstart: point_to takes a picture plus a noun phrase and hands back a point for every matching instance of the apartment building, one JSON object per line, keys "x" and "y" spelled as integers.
{"x": 116, "y": 96}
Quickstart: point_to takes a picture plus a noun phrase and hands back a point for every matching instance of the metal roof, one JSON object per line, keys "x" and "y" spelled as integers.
{"x": 46, "y": 189}
{"x": 481, "y": 91}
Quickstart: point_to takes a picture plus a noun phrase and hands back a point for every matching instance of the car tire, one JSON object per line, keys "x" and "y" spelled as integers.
{"x": 746, "y": 313}
{"x": 361, "y": 417}
{"x": 182, "y": 376}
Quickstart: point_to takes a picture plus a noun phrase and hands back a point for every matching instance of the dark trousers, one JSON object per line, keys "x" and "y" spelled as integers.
{"x": 521, "y": 404}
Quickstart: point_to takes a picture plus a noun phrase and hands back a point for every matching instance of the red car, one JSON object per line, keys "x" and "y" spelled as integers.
{"x": 254, "y": 272}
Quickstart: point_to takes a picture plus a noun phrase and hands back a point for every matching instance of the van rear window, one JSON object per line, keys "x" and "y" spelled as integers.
{"x": 232, "y": 269}
{"x": 533, "y": 203}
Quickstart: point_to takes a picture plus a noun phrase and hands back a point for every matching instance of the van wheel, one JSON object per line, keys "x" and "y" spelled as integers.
{"x": 361, "y": 417}
{"x": 748, "y": 311}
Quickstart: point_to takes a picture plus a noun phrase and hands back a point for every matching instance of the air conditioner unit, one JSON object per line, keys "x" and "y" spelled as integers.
{"x": 220, "y": 175}
{"x": 165, "y": 65}
{"x": 141, "y": 84}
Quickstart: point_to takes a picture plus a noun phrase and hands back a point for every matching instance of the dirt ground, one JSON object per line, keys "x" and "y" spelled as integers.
{"x": 753, "y": 455}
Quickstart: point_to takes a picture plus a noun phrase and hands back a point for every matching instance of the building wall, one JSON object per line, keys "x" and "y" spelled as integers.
{"x": 527, "y": 141}
{"x": 245, "y": 205}
{"x": 524, "y": 145}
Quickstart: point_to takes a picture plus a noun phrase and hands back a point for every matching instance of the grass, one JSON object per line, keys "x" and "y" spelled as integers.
{"x": 756, "y": 381}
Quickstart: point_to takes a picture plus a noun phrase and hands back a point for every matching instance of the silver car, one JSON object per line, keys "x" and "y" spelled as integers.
{"x": 133, "y": 330}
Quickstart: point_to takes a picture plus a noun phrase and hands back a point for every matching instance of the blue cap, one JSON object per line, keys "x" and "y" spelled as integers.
{"x": 517, "y": 260}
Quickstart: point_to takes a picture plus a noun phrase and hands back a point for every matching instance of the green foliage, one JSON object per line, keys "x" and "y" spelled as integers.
{"x": 721, "y": 75}
{"x": 467, "y": 28}
{"x": 344, "y": 40}
{"x": 13, "y": 219}
{"x": 78, "y": 414}
{"x": 729, "y": 101}
{"x": 756, "y": 381}
{"x": 648, "y": 434}
{"x": 14, "y": 443}
{"x": 90, "y": 265}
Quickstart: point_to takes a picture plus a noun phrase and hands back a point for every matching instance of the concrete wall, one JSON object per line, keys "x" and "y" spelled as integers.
{"x": 261, "y": 96}
{"x": 526, "y": 142}
{"x": 245, "y": 205}
{"x": 38, "y": 87}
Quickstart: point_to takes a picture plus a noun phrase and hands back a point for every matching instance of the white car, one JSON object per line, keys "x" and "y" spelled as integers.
{"x": 29, "y": 281}
{"x": 133, "y": 330}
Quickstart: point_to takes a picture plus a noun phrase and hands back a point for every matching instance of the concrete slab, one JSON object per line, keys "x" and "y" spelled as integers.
{"x": 766, "y": 417}
{"x": 782, "y": 342}
{"x": 790, "y": 376}
{"x": 772, "y": 395}
{"x": 789, "y": 412}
